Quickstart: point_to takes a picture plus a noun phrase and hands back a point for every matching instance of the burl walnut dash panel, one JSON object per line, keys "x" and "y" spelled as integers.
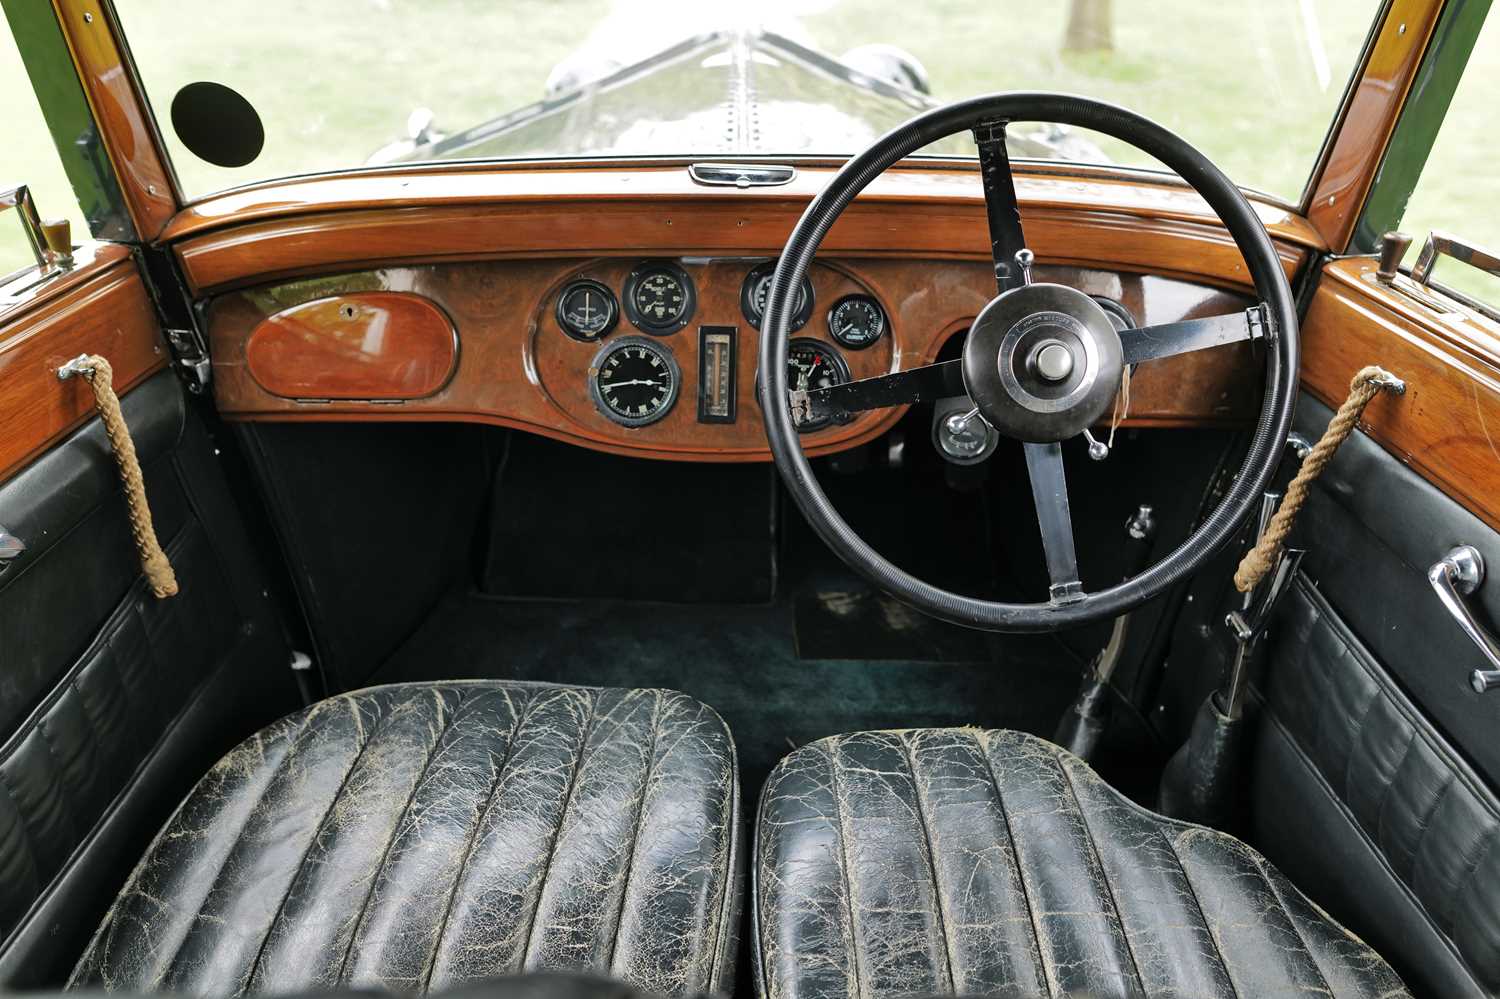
{"x": 516, "y": 368}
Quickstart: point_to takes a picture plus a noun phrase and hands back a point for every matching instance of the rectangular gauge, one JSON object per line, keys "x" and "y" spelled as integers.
{"x": 717, "y": 373}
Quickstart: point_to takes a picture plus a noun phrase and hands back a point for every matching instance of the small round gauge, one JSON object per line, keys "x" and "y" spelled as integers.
{"x": 634, "y": 381}
{"x": 813, "y": 364}
{"x": 856, "y": 321}
{"x": 587, "y": 310}
{"x": 757, "y": 288}
{"x": 659, "y": 297}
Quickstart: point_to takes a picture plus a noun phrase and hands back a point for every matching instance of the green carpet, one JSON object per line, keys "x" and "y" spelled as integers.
{"x": 743, "y": 661}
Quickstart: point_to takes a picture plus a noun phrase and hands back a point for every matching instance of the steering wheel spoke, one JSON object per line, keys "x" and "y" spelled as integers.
{"x": 1007, "y": 238}
{"x": 840, "y": 402}
{"x": 1049, "y": 490}
{"x": 1170, "y": 339}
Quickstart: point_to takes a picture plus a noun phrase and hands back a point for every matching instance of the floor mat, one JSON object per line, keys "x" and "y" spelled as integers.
{"x": 861, "y": 623}
{"x": 742, "y": 660}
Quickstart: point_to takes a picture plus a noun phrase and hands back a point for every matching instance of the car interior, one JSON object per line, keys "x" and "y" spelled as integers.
{"x": 751, "y": 519}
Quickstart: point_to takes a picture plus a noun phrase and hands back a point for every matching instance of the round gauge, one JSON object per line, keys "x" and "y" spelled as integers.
{"x": 813, "y": 364}
{"x": 587, "y": 310}
{"x": 634, "y": 381}
{"x": 757, "y": 288}
{"x": 659, "y": 297}
{"x": 856, "y": 321}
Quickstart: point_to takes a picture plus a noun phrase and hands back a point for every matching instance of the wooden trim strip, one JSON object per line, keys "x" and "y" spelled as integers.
{"x": 1364, "y": 130}
{"x": 108, "y": 314}
{"x": 120, "y": 111}
{"x": 1133, "y": 239}
{"x": 1447, "y": 425}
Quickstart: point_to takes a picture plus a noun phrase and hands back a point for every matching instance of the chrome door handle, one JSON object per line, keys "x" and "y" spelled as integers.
{"x": 10, "y": 545}
{"x": 1455, "y": 576}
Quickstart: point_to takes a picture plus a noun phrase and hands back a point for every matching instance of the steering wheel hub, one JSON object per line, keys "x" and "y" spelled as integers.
{"x": 1042, "y": 362}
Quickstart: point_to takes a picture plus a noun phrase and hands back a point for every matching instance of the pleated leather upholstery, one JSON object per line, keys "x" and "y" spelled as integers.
{"x": 946, "y": 861}
{"x": 424, "y": 835}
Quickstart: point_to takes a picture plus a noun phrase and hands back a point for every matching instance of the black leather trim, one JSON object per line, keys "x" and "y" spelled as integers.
{"x": 417, "y": 836}
{"x": 1373, "y": 527}
{"x": 1361, "y": 799}
{"x": 962, "y": 861}
{"x": 110, "y": 699}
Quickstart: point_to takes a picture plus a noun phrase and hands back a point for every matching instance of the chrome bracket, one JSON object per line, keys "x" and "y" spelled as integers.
{"x": 1262, "y": 326}
{"x": 80, "y": 366}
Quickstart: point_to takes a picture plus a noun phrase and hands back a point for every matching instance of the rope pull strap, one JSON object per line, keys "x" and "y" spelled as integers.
{"x": 1366, "y": 385}
{"x": 97, "y": 372}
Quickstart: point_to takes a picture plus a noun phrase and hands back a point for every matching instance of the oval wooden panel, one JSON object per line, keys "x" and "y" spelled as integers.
{"x": 362, "y": 345}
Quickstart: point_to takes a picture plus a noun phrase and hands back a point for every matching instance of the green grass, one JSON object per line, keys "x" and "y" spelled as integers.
{"x": 334, "y": 80}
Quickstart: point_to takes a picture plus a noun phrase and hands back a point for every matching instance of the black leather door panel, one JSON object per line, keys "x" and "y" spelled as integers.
{"x": 113, "y": 702}
{"x": 1375, "y": 764}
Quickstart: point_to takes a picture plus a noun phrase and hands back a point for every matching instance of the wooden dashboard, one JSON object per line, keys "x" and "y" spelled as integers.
{"x": 481, "y": 341}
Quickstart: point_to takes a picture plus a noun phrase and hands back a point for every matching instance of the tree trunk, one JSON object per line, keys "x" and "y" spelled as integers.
{"x": 1090, "y": 26}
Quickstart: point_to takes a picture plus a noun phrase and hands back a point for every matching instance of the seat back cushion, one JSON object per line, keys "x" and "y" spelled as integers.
{"x": 418, "y": 836}
{"x": 971, "y": 862}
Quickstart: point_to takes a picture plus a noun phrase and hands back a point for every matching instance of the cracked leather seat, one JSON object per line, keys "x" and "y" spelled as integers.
{"x": 426, "y": 835}
{"x": 946, "y": 861}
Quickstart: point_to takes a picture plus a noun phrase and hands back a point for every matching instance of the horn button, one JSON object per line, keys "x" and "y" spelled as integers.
{"x": 1042, "y": 362}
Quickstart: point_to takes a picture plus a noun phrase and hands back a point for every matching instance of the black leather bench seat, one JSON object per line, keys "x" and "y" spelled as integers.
{"x": 946, "y": 861}
{"x": 419, "y": 836}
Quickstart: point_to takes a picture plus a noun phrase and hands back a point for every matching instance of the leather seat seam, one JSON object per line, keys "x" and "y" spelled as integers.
{"x": 845, "y": 870}
{"x": 1187, "y": 879}
{"x": 390, "y": 841}
{"x": 722, "y": 954}
{"x": 239, "y": 833}
{"x": 481, "y": 815}
{"x": 1010, "y": 843}
{"x": 928, "y": 850}
{"x": 1291, "y": 920}
{"x": 562, "y": 815}
{"x": 311, "y": 842}
{"x": 1109, "y": 890}
{"x": 635, "y": 829}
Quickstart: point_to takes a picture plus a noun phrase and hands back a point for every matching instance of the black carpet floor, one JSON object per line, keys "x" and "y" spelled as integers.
{"x": 772, "y": 670}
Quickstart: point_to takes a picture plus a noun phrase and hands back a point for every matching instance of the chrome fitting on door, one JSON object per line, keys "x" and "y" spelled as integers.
{"x": 10, "y": 546}
{"x": 1455, "y": 576}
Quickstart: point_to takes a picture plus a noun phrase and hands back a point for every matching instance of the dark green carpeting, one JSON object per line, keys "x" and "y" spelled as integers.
{"x": 744, "y": 661}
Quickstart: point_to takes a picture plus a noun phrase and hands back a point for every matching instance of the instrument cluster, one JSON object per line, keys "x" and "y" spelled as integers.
{"x": 635, "y": 378}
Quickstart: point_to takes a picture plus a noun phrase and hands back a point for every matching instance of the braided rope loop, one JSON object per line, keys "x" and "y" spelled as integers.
{"x": 154, "y": 563}
{"x": 1258, "y": 561}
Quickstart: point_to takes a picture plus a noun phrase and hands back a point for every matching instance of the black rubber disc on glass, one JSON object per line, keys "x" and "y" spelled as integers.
{"x": 217, "y": 124}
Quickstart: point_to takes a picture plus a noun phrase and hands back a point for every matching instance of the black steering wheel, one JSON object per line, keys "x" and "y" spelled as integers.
{"x": 1042, "y": 362}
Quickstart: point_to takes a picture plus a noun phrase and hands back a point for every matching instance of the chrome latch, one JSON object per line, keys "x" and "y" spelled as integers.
{"x": 1457, "y": 575}
{"x": 10, "y": 546}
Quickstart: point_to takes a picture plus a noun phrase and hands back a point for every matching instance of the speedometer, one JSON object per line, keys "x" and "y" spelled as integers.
{"x": 810, "y": 365}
